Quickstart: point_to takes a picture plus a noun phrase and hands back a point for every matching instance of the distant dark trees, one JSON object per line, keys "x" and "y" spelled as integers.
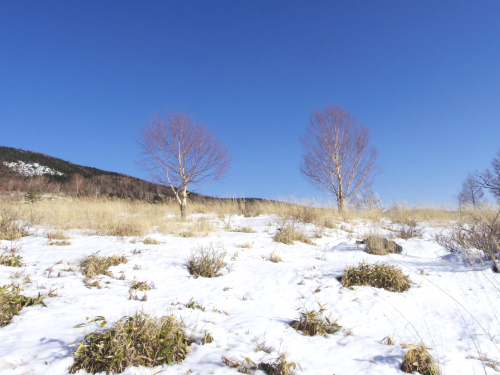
{"x": 472, "y": 192}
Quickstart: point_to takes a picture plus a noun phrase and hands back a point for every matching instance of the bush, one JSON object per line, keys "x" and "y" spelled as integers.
{"x": 206, "y": 262}
{"x": 32, "y": 195}
{"x": 288, "y": 232}
{"x": 12, "y": 301}
{"x": 138, "y": 340}
{"x": 475, "y": 237}
{"x": 378, "y": 275}
{"x": 418, "y": 359}
{"x": 409, "y": 228}
{"x": 312, "y": 323}
{"x": 376, "y": 245}
{"x": 95, "y": 265}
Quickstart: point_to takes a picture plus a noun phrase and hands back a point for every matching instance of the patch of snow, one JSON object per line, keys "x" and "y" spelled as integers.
{"x": 34, "y": 169}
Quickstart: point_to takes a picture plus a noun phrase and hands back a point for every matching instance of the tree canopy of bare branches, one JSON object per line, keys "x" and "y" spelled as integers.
{"x": 336, "y": 157}
{"x": 178, "y": 151}
{"x": 490, "y": 179}
{"x": 471, "y": 193}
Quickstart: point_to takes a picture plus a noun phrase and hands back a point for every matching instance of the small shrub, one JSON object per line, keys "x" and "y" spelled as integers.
{"x": 206, "y": 262}
{"x": 32, "y": 195}
{"x": 59, "y": 243}
{"x": 11, "y": 260}
{"x": 475, "y": 237}
{"x": 288, "y": 232}
{"x": 150, "y": 241}
{"x": 418, "y": 359}
{"x": 409, "y": 228}
{"x": 95, "y": 265}
{"x": 312, "y": 323}
{"x": 138, "y": 340}
{"x": 378, "y": 275}
{"x": 376, "y": 245}
{"x": 192, "y": 304}
{"x": 12, "y": 301}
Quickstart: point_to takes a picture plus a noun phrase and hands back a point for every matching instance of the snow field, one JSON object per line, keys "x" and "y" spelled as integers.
{"x": 449, "y": 307}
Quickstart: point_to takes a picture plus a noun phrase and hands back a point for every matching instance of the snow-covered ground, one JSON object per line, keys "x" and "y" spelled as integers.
{"x": 35, "y": 169}
{"x": 449, "y": 307}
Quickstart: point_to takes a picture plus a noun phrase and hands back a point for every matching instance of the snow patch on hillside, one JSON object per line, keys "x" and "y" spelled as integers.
{"x": 34, "y": 169}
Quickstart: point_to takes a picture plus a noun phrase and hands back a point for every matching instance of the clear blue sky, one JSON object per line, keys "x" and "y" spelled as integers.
{"x": 79, "y": 78}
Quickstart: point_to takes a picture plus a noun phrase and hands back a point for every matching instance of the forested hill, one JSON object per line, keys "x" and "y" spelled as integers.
{"x": 10, "y": 154}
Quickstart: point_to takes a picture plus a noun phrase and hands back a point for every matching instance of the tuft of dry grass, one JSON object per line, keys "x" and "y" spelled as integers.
{"x": 206, "y": 261}
{"x": 377, "y": 245}
{"x": 378, "y": 275}
{"x": 12, "y": 301}
{"x": 138, "y": 340}
{"x": 56, "y": 235}
{"x": 142, "y": 285}
{"x": 273, "y": 257}
{"x": 244, "y": 230}
{"x": 289, "y": 232}
{"x": 59, "y": 243}
{"x": 10, "y": 229}
{"x": 150, "y": 241}
{"x": 312, "y": 323}
{"x": 418, "y": 359}
{"x": 11, "y": 260}
{"x": 95, "y": 264}
{"x": 278, "y": 367}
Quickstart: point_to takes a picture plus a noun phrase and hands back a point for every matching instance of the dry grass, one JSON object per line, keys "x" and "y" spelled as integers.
{"x": 312, "y": 323}
{"x": 12, "y": 301}
{"x": 11, "y": 260}
{"x": 409, "y": 228}
{"x": 273, "y": 257}
{"x": 378, "y": 275}
{"x": 59, "y": 243}
{"x": 95, "y": 265}
{"x": 206, "y": 261}
{"x": 150, "y": 241}
{"x": 246, "y": 366}
{"x": 9, "y": 227}
{"x": 138, "y": 340}
{"x": 142, "y": 285}
{"x": 418, "y": 359}
{"x": 377, "y": 245}
{"x": 288, "y": 232}
{"x": 56, "y": 235}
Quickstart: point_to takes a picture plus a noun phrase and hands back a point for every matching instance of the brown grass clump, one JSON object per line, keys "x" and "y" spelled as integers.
{"x": 273, "y": 257}
{"x": 12, "y": 301}
{"x": 244, "y": 230}
{"x": 59, "y": 243}
{"x": 150, "y": 241}
{"x": 9, "y": 228}
{"x": 418, "y": 359}
{"x": 138, "y": 340}
{"x": 377, "y": 245}
{"x": 312, "y": 323}
{"x": 288, "y": 233}
{"x": 206, "y": 261}
{"x": 279, "y": 367}
{"x": 142, "y": 285}
{"x": 56, "y": 235}
{"x": 378, "y": 275}
{"x": 95, "y": 265}
{"x": 11, "y": 260}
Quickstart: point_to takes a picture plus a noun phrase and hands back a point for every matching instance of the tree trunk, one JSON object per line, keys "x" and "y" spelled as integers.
{"x": 340, "y": 204}
{"x": 184, "y": 203}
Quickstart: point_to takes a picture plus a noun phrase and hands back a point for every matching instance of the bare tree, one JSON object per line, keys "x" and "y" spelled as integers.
{"x": 471, "y": 193}
{"x": 77, "y": 180}
{"x": 490, "y": 179}
{"x": 179, "y": 151}
{"x": 336, "y": 158}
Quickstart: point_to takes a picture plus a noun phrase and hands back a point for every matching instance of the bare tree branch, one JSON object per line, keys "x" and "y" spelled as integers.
{"x": 336, "y": 158}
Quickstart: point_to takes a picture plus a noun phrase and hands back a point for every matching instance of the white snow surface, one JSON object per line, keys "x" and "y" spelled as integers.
{"x": 449, "y": 306}
{"x": 34, "y": 169}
